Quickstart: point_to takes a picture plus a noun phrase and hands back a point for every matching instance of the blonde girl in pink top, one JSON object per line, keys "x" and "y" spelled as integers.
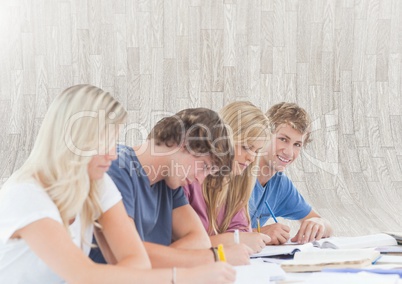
{"x": 223, "y": 207}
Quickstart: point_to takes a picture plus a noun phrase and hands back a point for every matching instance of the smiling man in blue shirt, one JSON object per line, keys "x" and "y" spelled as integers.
{"x": 290, "y": 133}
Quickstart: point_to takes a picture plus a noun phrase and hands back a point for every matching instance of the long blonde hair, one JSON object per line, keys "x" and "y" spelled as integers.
{"x": 74, "y": 129}
{"x": 247, "y": 123}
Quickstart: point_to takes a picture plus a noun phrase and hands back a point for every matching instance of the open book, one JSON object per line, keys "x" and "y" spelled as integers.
{"x": 282, "y": 250}
{"x": 368, "y": 241}
{"x": 316, "y": 260}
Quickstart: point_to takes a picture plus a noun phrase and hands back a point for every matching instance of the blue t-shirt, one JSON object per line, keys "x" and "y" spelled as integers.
{"x": 150, "y": 206}
{"x": 283, "y": 198}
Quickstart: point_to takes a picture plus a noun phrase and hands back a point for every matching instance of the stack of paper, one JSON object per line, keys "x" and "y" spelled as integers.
{"x": 317, "y": 260}
{"x": 348, "y": 278}
{"x": 369, "y": 241}
{"x": 259, "y": 272}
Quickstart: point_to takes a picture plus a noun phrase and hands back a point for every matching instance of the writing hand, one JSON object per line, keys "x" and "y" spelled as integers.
{"x": 311, "y": 229}
{"x": 238, "y": 254}
{"x": 278, "y": 232}
{"x": 254, "y": 240}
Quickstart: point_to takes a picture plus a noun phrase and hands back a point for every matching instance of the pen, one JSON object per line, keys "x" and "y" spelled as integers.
{"x": 221, "y": 253}
{"x": 375, "y": 260}
{"x": 270, "y": 211}
{"x": 236, "y": 236}
{"x": 258, "y": 225}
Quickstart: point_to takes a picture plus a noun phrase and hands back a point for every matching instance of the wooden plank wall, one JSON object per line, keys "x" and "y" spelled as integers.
{"x": 340, "y": 59}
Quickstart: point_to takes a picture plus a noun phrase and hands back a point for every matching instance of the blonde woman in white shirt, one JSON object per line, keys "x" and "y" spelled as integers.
{"x": 49, "y": 207}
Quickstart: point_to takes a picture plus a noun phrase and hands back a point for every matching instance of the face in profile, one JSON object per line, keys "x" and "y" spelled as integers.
{"x": 100, "y": 164}
{"x": 186, "y": 169}
{"x": 245, "y": 154}
{"x": 284, "y": 148}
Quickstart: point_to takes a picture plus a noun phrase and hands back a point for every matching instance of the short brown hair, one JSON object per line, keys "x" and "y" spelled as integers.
{"x": 202, "y": 131}
{"x": 292, "y": 114}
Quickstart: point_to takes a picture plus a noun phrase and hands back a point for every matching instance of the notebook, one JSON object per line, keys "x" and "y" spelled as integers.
{"x": 395, "y": 250}
{"x": 259, "y": 272}
{"x": 309, "y": 261}
{"x": 348, "y": 278}
{"x": 285, "y": 250}
{"x": 392, "y": 261}
{"x": 368, "y": 241}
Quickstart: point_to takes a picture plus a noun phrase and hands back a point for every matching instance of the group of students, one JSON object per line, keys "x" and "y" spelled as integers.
{"x": 151, "y": 213}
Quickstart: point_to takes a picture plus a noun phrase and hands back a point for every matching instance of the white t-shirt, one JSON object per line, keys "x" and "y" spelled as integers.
{"x": 25, "y": 203}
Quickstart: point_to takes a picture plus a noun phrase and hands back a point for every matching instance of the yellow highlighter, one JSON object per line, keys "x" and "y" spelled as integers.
{"x": 221, "y": 253}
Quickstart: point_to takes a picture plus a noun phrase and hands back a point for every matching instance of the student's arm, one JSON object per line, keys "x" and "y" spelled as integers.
{"x": 188, "y": 231}
{"x": 287, "y": 202}
{"x": 313, "y": 227}
{"x": 50, "y": 241}
{"x": 192, "y": 245}
{"x": 255, "y": 241}
{"x": 164, "y": 256}
{"x": 118, "y": 237}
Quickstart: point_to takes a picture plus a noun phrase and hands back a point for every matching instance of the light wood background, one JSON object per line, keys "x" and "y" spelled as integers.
{"x": 341, "y": 60}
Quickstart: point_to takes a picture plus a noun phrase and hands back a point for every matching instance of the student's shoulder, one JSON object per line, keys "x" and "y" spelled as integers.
{"x": 26, "y": 195}
{"x": 24, "y": 189}
{"x": 109, "y": 193}
{"x": 193, "y": 191}
{"x": 280, "y": 178}
{"x": 125, "y": 152}
{"x": 106, "y": 183}
{"x": 193, "y": 187}
{"x": 126, "y": 158}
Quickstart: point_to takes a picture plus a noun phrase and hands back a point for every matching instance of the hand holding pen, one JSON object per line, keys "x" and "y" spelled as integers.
{"x": 221, "y": 253}
{"x": 255, "y": 241}
{"x": 279, "y": 233}
{"x": 258, "y": 224}
{"x": 234, "y": 254}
